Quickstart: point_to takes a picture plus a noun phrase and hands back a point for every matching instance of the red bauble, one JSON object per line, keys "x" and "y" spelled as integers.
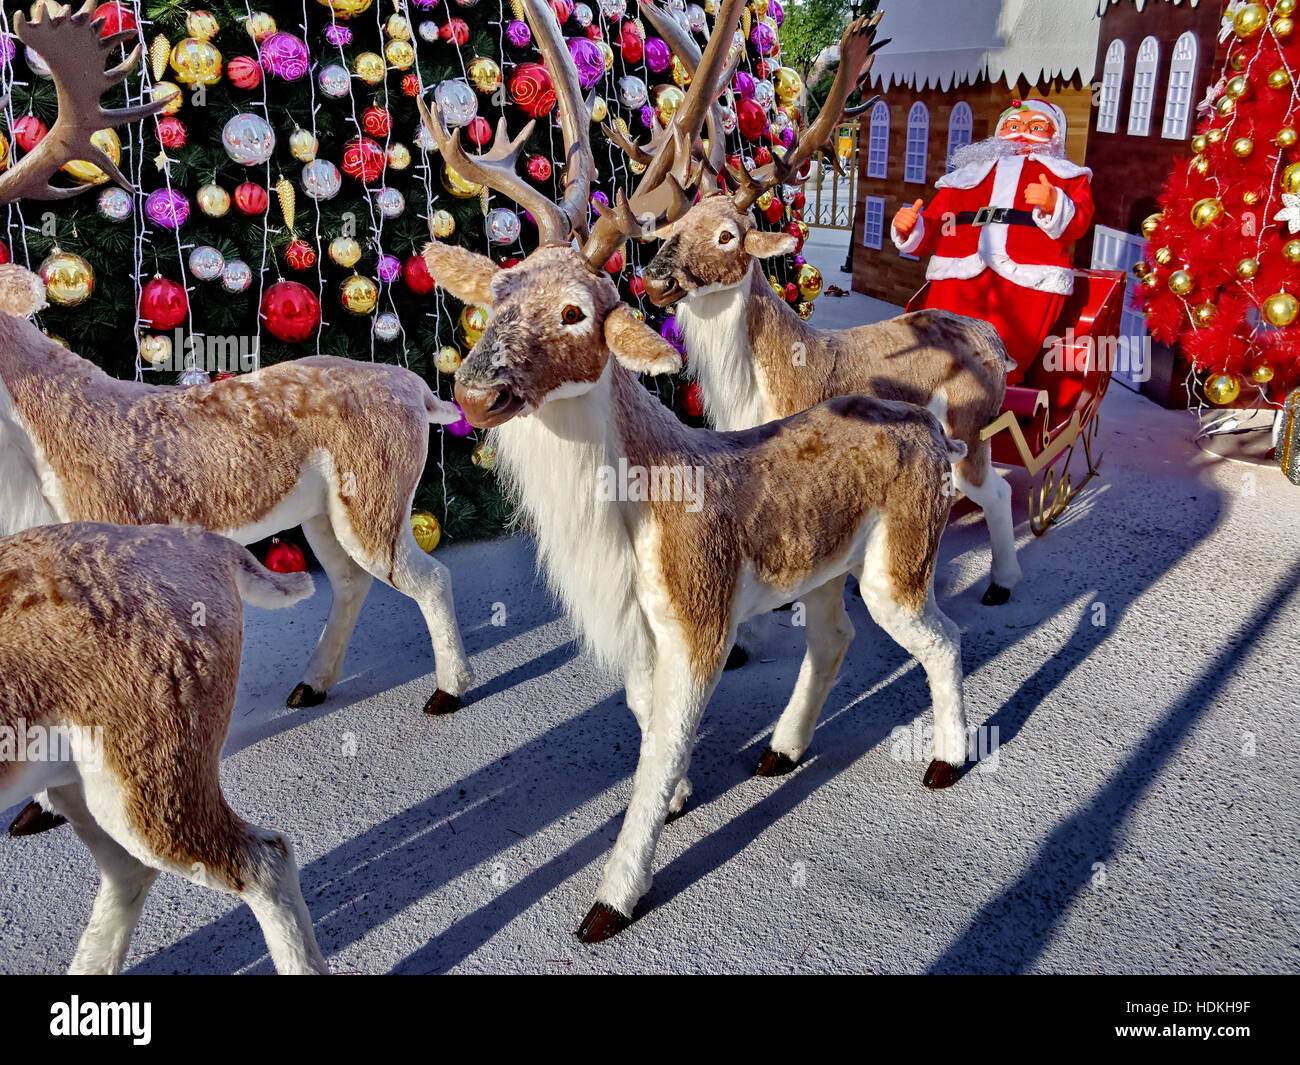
{"x": 752, "y": 120}
{"x": 637, "y": 285}
{"x": 799, "y": 200}
{"x": 762, "y": 156}
{"x": 300, "y": 255}
{"x": 410, "y": 85}
{"x": 163, "y": 304}
{"x": 291, "y": 311}
{"x": 614, "y": 264}
{"x": 363, "y": 159}
{"x": 791, "y": 292}
{"x": 456, "y": 30}
{"x": 563, "y": 9}
{"x": 532, "y": 89}
{"x": 415, "y": 272}
{"x": 117, "y": 19}
{"x": 244, "y": 72}
{"x": 285, "y": 558}
{"x": 797, "y": 233}
{"x": 594, "y": 33}
{"x": 539, "y": 167}
{"x": 4, "y": 253}
{"x": 692, "y": 401}
{"x": 376, "y": 122}
{"x": 171, "y": 132}
{"x": 514, "y": 260}
{"x": 631, "y": 43}
{"x": 251, "y": 199}
{"x": 479, "y": 131}
{"x": 29, "y": 131}
{"x": 775, "y": 210}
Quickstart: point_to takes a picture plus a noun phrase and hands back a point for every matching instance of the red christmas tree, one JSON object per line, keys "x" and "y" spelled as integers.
{"x": 1225, "y": 278}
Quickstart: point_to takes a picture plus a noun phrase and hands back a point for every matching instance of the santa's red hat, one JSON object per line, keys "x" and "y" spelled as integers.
{"x": 1019, "y": 107}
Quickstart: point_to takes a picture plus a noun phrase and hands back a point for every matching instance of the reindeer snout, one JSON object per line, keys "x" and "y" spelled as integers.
{"x": 662, "y": 288}
{"x": 488, "y": 406}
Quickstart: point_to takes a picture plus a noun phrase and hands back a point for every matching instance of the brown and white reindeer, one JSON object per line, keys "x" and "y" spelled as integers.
{"x": 756, "y": 360}
{"x": 119, "y": 653}
{"x": 741, "y": 523}
{"x": 333, "y": 445}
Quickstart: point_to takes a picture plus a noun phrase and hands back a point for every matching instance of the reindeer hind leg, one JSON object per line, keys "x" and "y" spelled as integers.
{"x": 975, "y": 477}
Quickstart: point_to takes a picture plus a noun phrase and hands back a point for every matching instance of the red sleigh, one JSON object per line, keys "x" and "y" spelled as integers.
{"x": 1055, "y": 409}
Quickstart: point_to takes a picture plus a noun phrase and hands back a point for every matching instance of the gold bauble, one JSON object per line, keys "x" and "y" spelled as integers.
{"x": 397, "y": 28}
{"x": 1286, "y": 137}
{"x": 201, "y": 24}
{"x": 1222, "y": 388}
{"x": 369, "y": 67}
{"x": 1214, "y": 136}
{"x": 1201, "y": 165}
{"x": 803, "y": 309}
{"x": 399, "y": 156}
{"x": 196, "y": 62}
{"x": 1203, "y": 313}
{"x": 1243, "y": 147}
{"x": 1250, "y": 198}
{"x": 484, "y": 74}
{"x": 1283, "y": 28}
{"x": 1247, "y": 268}
{"x": 1250, "y": 20}
{"x": 1291, "y": 251}
{"x": 447, "y": 360}
{"x": 809, "y": 280}
{"x": 1225, "y": 107}
{"x": 89, "y": 174}
{"x": 485, "y": 455}
{"x": 162, "y": 90}
{"x": 457, "y": 185}
{"x": 764, "y": 201}
{"x": 1238, "y": 60}
{"x": 155, "y": 349}
{"x": 1206, "y": 212}
{"x": 1261, "y": 374}
{"x": 4, "y": 152}
{"x": 1291, "y": 179}
{"x": 666, "y": 99}
{"x": 777, "y": 286}
{"x": 69, "y": 279}
{"x": 1164, "y": 256}
{"x": 213, "y": 200}
{"x": 599, "y": 110}
{"x": 1151, "y": 223}
{"x": 1281, "y": 309}
{"x": 358, "y": 294}
{"x": 303, "y": 145}
{"x": 788, "y": 85}
{"x": 400, "y": 54}
{"x": 428, "y": 533}
{"x": 346, "y": 8}
{"x": 473, "y": 321}
{"x": 1279, "y": 79}
{"x": 260, "y": 26}
{"x": 1181, "y": 282}
{"x": 442, "y": 224}
{"x": 345, "y": 251}
{"x": 1237, "y": 88}
{"x": 1199, "y": 143}
{"x": 1284, "y": 8}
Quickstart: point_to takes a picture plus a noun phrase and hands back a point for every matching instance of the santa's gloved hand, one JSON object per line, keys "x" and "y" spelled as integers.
{"x": 1042, "y": 195}
{"x": 905, "y": 220}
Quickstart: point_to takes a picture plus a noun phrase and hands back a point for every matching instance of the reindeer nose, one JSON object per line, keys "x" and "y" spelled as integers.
{"x": 487, "y": 407}
{"x": 663, "y": 290}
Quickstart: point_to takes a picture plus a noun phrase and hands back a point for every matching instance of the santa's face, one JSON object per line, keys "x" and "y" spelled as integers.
{"x": 1027, "y": 131}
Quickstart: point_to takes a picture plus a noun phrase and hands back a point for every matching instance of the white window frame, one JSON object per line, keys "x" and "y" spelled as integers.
{"x": 873, "y": 222}
{"x": 1112, "y": 87}
{"x": 961, "y": 129}
{"x": 917, "y": 156}
{"x": 1182, "y": 84}
{"x": 1115, "y": 250}
{"x": 878, "y": 142}
{"x": 1144, "y": 88}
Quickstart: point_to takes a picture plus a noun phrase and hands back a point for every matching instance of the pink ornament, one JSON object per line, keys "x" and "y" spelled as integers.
{"x": 657, "y": 55}
{"x": 563, "y": 9}
{"x": 285, "y": 56}
{"x": 518, "y": 34}
{"x": 589, "y": 60}
{"x": 167, "y": 208}
{"x": 338, "y": 36}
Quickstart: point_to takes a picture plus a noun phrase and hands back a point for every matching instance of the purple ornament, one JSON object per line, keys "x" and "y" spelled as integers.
{"x": 7, "y": 49}
{"x": 338, "y": 36}
{"x": 389, "y": 269}
{"x": 167, "y": 208}
{"x": 600, "y": 198}
{"x": 776, "y": 12}
{"x": 657, "y": 55}
{"x": 763, "y": 38}
{"x": 427, "y": 5}
{"x": 460, "y": 428}
{"x": 671, "y": 333}
{"x": 743, "y": 84}
{"x": 648, "y": 116}
{"x": 285, "y": 56}
{"x": 799, "y": 260}
{"x": 588, "y": 59}
{"x": 518, "y": 34}
{"x": 787, "y": 136}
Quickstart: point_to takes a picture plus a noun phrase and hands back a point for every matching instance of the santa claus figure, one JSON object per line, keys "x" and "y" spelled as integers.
{"x": 1001, "y": 227}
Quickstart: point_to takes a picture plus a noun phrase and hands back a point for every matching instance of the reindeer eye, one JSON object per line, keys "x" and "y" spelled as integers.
{"x": 572, "y": 315}
{"x": 726, "y": 237}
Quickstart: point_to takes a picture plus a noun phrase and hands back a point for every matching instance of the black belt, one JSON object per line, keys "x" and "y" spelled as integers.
{"x": 992, "y": 216}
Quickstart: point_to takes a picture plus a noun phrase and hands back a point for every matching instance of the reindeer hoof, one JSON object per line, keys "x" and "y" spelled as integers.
{"x": 996, "y": 595}
{"x": 33, "y": 820}
{"x": 941, "y": 775}
{"x": 737, "y": 658}
{"x": 601, "y": 923}
{"x": 773, "y": 764}
{"x": 677, "y": 815}
{"x": 442, "y": 704}
{"x": 303, "y": 696}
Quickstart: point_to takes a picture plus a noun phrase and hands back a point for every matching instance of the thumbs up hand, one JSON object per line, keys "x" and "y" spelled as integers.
{"x": 1042, "y": 195}
{"x": 905, "y": 220}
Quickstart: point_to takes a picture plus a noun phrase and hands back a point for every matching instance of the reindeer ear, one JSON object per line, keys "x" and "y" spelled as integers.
{"x": 465, "y": 274}
{"x": 637, "y": 346}
{"x": 763, "y": 245}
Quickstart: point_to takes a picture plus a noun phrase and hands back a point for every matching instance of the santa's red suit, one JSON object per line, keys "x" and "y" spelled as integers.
{"x": 1014, "y": 273}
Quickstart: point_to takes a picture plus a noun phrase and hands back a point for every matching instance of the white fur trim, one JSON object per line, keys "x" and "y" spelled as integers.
{"x": 970, "y": 176}
{"x": 908, "y": 246}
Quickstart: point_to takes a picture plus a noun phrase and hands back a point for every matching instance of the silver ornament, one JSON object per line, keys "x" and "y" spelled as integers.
{"x": 583, "y": 14}
{"x": 38, "y": 65}
{"x": 194, "y": 376}
{"x": 114, "y": 204}
{"x": 428, "y": 31}
{"x": 387, "y": 326}
{"x": 206, "y": 263}
{"x": 335, "y": 81}
{"x": 613, "y": 9}
{"x": 502, "y": 226}
{"x": 696, "y": 19}
{"x": 390, "y": 202}
{"x": 321, "y": 179}
{"x": 248, "y": 139}
{"x": 457, "y": 102}
{"x": 236, "y": 276}
{"x": 632, "y": 91}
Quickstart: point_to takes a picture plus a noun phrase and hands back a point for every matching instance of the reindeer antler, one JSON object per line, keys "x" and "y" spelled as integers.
{"x": 74, "y": 51}
{"x": 670, "y": 160}
{"x": 496, "y": 167}
{"x": 858, "y": 48}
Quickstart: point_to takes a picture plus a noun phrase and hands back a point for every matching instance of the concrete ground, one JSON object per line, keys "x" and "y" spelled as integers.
{"x": 1141, "y": 813}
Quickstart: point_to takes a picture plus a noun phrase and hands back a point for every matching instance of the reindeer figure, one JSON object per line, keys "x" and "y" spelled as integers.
{"x": 756, "y": 360}
{"x": 119, "y": 649}
{"x": 783, "y": 511}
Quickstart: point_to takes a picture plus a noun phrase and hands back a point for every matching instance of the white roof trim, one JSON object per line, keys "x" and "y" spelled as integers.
{"x": 1103, "y": 4}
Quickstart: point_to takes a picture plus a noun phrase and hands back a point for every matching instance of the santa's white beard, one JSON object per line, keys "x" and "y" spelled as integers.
{"x": 980, "y": 153}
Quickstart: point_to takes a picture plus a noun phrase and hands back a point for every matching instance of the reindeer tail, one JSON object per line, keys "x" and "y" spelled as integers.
{"x": 258, "y": 586}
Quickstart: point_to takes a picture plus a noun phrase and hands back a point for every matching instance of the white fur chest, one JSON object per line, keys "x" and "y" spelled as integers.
{"x": 30, "y": 494}
{"x": 716, "y": 332}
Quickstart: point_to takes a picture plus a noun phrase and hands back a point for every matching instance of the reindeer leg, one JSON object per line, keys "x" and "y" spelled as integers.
{"x": 976, "y": 479}
{"x": 349, "y": 584}
{"x": 829, "y": 634}
{"x": 638, "y": 680}
{"x": 679, "y": 700}
{"x": 36, "y": 817}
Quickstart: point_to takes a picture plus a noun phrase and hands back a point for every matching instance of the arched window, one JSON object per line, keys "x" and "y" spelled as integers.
{"x": 878, "y": 142}
{"x": 1144, "y": 88}
{"x": 1182, "y": 80}
{"x": 918, "y": 144}
{"x": 960, "y": 128}
{"x": 1112, "y": 84}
